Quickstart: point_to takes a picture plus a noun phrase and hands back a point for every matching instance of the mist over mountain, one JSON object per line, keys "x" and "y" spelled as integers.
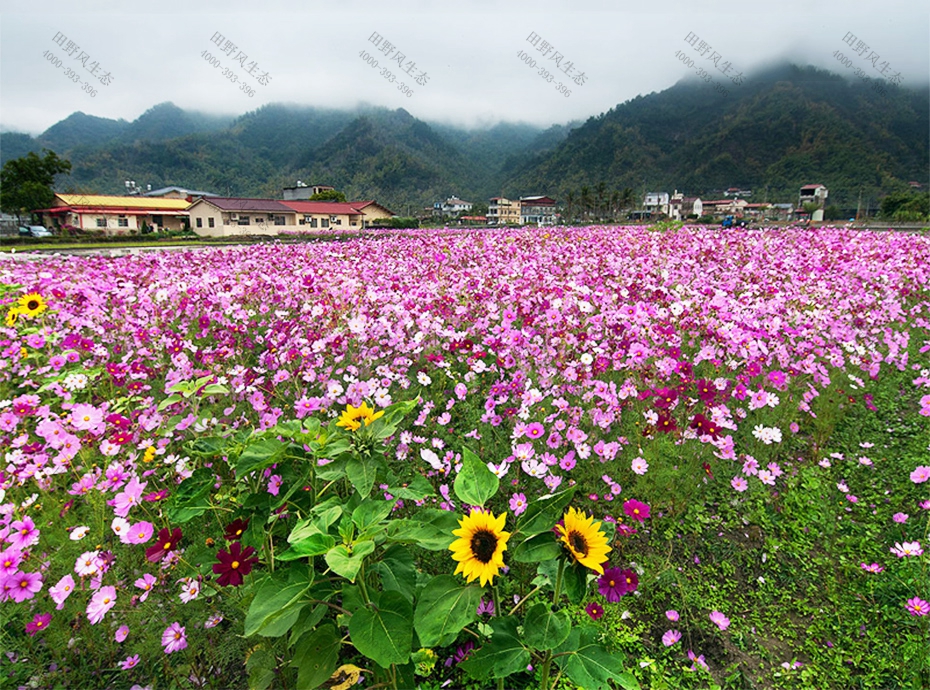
{"x": 784, "y": 127}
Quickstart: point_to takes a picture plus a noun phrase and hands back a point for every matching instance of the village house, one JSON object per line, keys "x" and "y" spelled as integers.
{"x": 503, "y": 211}
{"x": 682, "y": 207}
{"x": 230, "y": 216}
{"x": 537, "y": 210}
{"x": 115, "y": 215}
{"x": 303, "y": 192}
{"x": 337, "y": 215}
{"x": 452, "y": 206}
{"x": 657, "y": 202}
{"x": 813, "y": 194}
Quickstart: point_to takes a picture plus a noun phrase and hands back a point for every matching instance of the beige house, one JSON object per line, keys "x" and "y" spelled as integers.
{"x": 115, "y": 215}
{"x": 503, "y": 211}
{"x": 333, "y": 215}
{"x": 230, "y": 216}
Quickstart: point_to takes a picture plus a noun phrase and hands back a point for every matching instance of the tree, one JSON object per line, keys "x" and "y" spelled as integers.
{"x": 570, "y": 201}
{"x": 328, "y": 195}
{"x": 26, "y": 183}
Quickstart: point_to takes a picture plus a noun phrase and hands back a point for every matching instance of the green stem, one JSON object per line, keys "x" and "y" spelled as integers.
{"x": 361, "y": 583}
{"x": 547, "y": 661}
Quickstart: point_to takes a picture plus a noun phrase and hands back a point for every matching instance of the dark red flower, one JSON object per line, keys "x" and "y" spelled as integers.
{"x": 666, "y": 423}
{"x": 235, "y": 529}
{"x": 706, "y": 390}
{"x": 234, "y": 565}
{"x": 166, "y": 543}
{"x": 630, "y": 580}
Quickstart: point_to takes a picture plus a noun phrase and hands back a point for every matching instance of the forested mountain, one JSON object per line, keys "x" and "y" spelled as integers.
{"x": 784, "y": 128}
{"x": 781, "y": 129}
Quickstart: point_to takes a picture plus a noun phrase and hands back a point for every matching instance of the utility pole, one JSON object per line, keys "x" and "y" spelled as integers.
{"x": 859, "y": 204}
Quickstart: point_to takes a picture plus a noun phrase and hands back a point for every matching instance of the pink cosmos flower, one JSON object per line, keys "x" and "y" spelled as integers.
{"x": 87, "y": 563}
{"x": 900, "y": 517}
{"x": 23, "y": 586}
{"x": 173, "y": 638}
{"x": 871, "y": 568}
{"x": 639, "y": 466}
{"x": 739, "y": 483}
{"x": 139, "y": 532}
{"x": 274, "y": 484}
{"x": 534, "y": 430}
{"x": 129, "y": 662}
{"x": 921, "y": 474}
{"x": 917, "y": 607}
{"x": 128, "y": 498}
{"x": 190, "y": 588}
{"x": 672, "y": 615}
{"x": 122, "y": 632}
{"x": 85, "y": 417}
{"x": 214, "y": 620}
{"x": 518, "y": 503}
{"x": 61, "y": 591}
{"x": 719, "y": 620}
{"x": 671, "y": 637}
{"x": 908, "y": 548}
{"x": 102, "y": 601}
{"x": 23, "y": 534}
{"x": 10, "y": 560}
{"x": 145, "y": 583}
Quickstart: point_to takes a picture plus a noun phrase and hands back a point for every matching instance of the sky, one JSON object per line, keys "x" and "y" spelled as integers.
{"x": 472, "y": 64}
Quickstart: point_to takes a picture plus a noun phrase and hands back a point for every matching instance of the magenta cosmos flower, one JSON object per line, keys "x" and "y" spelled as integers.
{"x": 636, "y": 510}
{"x": 39, "y": 623}
{"x": 102, "y": 601}
{"x": 23, "y": 586}
{"x": 612, "y": 584}
{"x": 174, "y": 639}
{"x": 594, "y": 610}
{"x": 671, "y": 637}
{"x": 518, "y": 503}
{"x": 534, "y": 430}
{"x": 921, "y": 474}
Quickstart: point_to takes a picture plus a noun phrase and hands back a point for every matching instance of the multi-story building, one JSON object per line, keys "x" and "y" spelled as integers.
{"x": 537, "y": 210}
{"x": 503, "y": 211}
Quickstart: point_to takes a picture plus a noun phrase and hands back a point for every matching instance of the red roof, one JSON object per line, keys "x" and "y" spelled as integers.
{"x": 325, "y": 207}
{"x": 227, "y": 203}
{"x": 812, "y": 186}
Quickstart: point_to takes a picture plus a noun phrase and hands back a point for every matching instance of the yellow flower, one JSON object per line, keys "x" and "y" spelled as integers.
{"x": 149, "y": 454}
{"x": 12, "y": 317}
{"x": 345, "y": 677}
{"x": 32, "y": 305}
{"x": 481, "y": 545}
{"x": 350, "y": 418}
{"x": 586, "y": 543}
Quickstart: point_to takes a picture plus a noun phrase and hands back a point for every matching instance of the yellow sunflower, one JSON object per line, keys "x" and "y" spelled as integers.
{"x": 585, "y": 541}
{"x": 32, "y": 305}
{"x": 12, "y": 316}
{"x": 353, "y": 416}
{"x": 480, "y": 546}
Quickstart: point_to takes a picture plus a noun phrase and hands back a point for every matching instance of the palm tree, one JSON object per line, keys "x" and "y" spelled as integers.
{"x": 586, "y": 200}
{"x": 600, "y": 190}
{"x": 570, "y": 201}
{"x": 614, "y": 202}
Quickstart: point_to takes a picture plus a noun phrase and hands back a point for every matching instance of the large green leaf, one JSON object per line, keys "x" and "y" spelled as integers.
{"x": 398, "y": 571}
{"x": 542, "y": 514}
{"x": 416, "y": 489}
{"x": 588, "y": 664}
{"x": 387, "y": 424}
{"x": 475, "y": 483}
{"x": 539, "y": 547}
{"x": 502, "y": 655}
{"x": 445, "y": 607}
{"x": 259, "y": 454}
{"x": 276, "y": 607}
{"x": 544, "y": 629}
{"x": 575, "y": 582}
{"x": 343, "y": 562}
{"x": 191, "y": 498}
{"x": 315, "y": 656}
{"x": 384, "y": 633}
{"x": 260, "y": 667}
{"x": 312, "y": 545}
{"x": 361, "y": 472}
{"x": 370, "y": 512}
{"x": 431, "y": 530}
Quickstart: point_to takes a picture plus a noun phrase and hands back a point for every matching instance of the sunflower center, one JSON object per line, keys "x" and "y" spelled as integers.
{"x": 32, "y": 305}
{"x": 578, "y": 543}
{"x": 483, "y": 545}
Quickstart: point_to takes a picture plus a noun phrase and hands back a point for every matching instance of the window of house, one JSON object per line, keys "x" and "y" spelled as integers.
{"x": 243, "y": 220}
{"x": 313, "y": 222}
{"x": 210, "y": 222}
{"x": 279, "y": 220}
{"x": 200, "y": 222}
{"x": 101, "y": 222}
{"x": 324, "y": 222}
{"x": 122, "y": 222}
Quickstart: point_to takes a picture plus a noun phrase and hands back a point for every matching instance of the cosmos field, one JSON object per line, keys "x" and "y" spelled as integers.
{"x": 595, "y": 457}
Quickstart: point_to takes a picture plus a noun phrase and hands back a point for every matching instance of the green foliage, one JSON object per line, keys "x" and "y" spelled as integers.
{"x": 328, "y": 195}
{"x": 26, "y": 183}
